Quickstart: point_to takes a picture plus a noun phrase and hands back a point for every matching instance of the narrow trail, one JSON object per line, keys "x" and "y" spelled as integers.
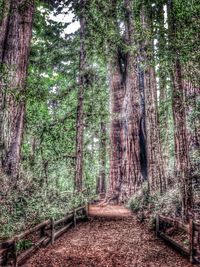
{"x": 112, "y": 241}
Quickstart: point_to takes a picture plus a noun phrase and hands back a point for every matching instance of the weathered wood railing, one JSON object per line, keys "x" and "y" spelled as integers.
{"x": 193, "y": 234}
{"x": 48, "y": 231}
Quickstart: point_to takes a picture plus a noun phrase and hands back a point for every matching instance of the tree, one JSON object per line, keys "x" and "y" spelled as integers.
{"x": 156, "y": 175}
{"x": 133, "y": 132}
{"x": 101, "y": 180}
{"x": 4, "y": 19}
{"x": 15, "y": 47}
{"x": 80, "y": 107}
{"x": 127, "y": 134}
{"x": 116, "y": 143}
{"x": 164, "y": 85}
{"x": 182, "y": 162}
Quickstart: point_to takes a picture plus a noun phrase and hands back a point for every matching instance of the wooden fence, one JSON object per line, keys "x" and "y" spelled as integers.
{"x": 47, "y": 231}
{"x": 192, "y": 230}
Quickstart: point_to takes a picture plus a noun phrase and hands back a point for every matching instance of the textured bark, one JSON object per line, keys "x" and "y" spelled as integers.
{"x": 192, "y": 92}
{"x": 116, "y": 99}
{"x": 14, "y": 63}
{"x": 182, "y": 163}
{"x": 101, "y": 180}
{"x": 143, "y": 152}
{"x": 164, "y": 115}
{"x": 133, "y": 133}
{"x": 154, "y": 153}
{"x": 80, "y": 112}
{"x": 164, "y": 92}
{"x": 116, "y": 147}
{"x": 127, "y": 133}
{"x": 4, "y": 19}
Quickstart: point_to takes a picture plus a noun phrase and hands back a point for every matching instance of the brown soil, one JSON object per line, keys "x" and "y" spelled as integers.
{"x": 108, "y": 242}
{"x": 112, "y": 211}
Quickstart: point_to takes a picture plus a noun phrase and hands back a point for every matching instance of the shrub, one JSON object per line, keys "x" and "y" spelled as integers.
{"x": 168, "y": 204}
{"x": 140, "y": 200}
{"x": 23, "y": 207}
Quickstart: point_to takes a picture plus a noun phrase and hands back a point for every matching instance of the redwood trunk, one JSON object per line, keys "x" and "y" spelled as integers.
{"x": 4, "y": 19}
{"x": 127, "y": 133}
{"x": 15, "y": 47}
{"x": 155, "y": 169}
{"x": 133, "y": 130}
{"x": 192, "y": 91}
{"x": 165, "y": 113}
{"x": 182, "y": 163}
{"x": 80, "y": 108}
{"x": 116, "y": 146}
{"x": 101, "y": 181}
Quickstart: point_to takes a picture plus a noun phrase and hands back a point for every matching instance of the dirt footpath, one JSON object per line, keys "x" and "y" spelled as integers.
{"x": 108, "y": 243}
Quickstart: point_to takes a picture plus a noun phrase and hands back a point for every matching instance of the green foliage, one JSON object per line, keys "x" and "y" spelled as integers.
{"x": 152, "y": 222}
{"x": 140, "y": 200}
{"x": 49, "y": 141}
{"x": 168, "y": 204}
{"x": 186, "y": 242}
{"x": 32, "y": 204}
{"x": 23, "y": 245}
{"x": 2, "y": 3}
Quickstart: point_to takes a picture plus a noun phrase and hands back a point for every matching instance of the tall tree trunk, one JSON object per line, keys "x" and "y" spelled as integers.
{"x": 192, "y": 92}
{"x": 14, "y": 64}
{"x": 143, "y": 152}
{"x": 163, "y": 118}
{"x": 154, "y": 154}
{"x": 133, "y": 132}
{"x": 182, "y": 163}
{"x": 101, "y": 181}
{"x": 164, "y": 108}
{"x": 116, "y": 100}
{"x": 80, "y": 108}
{"x": 127, "y": 131}
{"x": 116, "y": 84}
{"x": 4, "y": 19}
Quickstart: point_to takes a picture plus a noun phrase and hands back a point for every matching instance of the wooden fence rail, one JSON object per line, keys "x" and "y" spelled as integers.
{"x": 48, "y": 232}
{"x": 192, "y": 231}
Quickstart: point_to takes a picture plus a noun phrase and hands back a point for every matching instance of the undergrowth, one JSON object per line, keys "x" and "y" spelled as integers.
{"x": 168, "y": 204}
{"x": 24, "y": 207}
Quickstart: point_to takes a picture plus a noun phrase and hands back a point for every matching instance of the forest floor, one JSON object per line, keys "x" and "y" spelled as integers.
{"x": 108, "y": 240}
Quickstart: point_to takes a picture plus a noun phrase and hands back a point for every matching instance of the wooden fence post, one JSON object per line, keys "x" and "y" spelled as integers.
{"x": 52, "y": 231}
{"x": 42, "y": 231}
{"x": 191, "y": 240}
{"x": 157, "y": 225}
{"x": 86, "y": 208}
{"x": 15, "y": 253}
{"x": 75, "y": 218}
{"x": 198, "y": 240}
